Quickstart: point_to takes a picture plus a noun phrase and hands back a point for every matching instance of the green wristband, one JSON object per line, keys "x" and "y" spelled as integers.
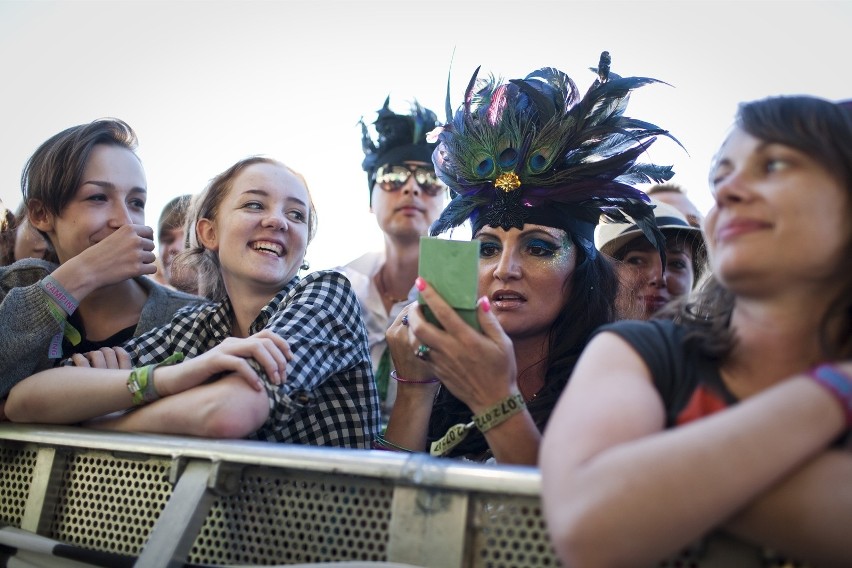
{"x": 140, "y": 383}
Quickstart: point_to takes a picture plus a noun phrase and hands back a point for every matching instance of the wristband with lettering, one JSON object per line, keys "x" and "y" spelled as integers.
{"x": 838, "y": 384}
{"x": 484, "y": 421}
{"x": 59, "y": 296}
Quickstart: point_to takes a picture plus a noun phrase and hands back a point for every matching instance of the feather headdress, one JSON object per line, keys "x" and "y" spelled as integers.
{"x": 533, "y": 151}
{"x": 401, "y": 137}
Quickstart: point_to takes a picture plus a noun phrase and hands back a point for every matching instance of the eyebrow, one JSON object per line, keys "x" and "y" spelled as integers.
{"x": 111, "y": 186}
{"x": 265, "y": 193}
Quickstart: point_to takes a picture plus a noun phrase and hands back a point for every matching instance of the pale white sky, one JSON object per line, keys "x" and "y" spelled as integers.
{"x": 205, "y": 84}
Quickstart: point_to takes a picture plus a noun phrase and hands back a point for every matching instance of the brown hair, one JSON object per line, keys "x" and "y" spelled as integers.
{"x": 822, "y": 130}
{"x": 53, "y": 173}
{"x": 9, "y": 236}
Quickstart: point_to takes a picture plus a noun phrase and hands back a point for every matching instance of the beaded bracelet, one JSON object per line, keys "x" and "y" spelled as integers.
{"x": 140, "y": 383}
{"x": 484, "y": 421}
{"x": 399, "y": 379}
{"x": 838, "y": 383}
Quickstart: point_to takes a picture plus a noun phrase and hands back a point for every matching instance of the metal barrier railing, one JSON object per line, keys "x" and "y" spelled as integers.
{"x": 171, "y": 501}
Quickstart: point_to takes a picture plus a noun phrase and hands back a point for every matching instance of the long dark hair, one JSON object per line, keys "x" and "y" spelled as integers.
{"x": 822, "y": 130}
{"x": 590, "y": 304}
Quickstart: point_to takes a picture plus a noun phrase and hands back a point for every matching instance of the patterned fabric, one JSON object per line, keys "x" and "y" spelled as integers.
{"x": 329, "y": 397}
{"x": 361, "y": 273}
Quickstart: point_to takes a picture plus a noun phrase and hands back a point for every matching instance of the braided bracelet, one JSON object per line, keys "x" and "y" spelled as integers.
{"x": 484, "y": 421}
{"x": 140, "y": 383}
{"x": 399, "y": 379}
{"x": 836, "y": 382}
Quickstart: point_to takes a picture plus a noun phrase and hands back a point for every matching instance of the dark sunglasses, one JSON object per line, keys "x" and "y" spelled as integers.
{"x": 392, "y": 177}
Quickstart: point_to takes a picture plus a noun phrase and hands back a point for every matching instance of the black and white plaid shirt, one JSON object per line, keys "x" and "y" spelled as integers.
{"x": 329, "y": 397}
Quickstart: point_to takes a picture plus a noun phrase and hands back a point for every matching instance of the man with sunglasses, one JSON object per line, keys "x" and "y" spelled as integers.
{"x": 406, "y": 197}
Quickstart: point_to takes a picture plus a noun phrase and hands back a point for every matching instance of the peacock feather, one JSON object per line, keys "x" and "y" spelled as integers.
{"x": 522, "y": 145}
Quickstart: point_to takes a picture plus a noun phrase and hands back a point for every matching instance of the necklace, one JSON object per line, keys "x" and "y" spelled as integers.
{"x": 380, "y": 282}
{"x": 526, "y": 398}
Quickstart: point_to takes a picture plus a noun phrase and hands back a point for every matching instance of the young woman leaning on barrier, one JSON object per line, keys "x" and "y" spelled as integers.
{"x": 219, "y": 369}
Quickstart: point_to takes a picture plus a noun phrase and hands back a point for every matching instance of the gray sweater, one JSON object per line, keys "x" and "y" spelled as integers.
{"x": 26, "y": 326}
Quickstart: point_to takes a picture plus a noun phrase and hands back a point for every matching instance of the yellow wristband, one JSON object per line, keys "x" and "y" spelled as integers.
{"x": 484, "y": 421}
{"x": 499, "y": 413}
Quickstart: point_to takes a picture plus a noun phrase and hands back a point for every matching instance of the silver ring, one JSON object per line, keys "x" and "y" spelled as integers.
{"x": 405, "y": 320}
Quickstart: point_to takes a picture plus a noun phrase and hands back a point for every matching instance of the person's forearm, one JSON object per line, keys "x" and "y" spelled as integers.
{"x": 515, "y": 441}
{"x": 28, "y": 328}
{"x": 806, "y": 516}
{"x": 408, "y": 425}
{"x": 77, "y": 279}
{"x": 704, "y": 472}
{"x": 227, "y": 408}
{"x": 67, "y": 395}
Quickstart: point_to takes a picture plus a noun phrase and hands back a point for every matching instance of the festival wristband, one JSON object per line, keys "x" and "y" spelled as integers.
{"x": 54, "y": 351}
{"x": 484, "y": 421}
{"x": 140, "y": 383}
{"x": 838, "y": 383}
{"x": 58, "y": 294}
{"x": 399, "y": 379}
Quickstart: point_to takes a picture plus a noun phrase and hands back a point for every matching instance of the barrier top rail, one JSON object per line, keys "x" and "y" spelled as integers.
{"x": 416, "y": 469}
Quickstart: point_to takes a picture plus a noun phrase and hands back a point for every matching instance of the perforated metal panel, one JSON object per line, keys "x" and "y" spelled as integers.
{"x": 17, "y": 464}
{"x": 283, "y": 518}
{"x": 109, "y": 503}
{"x": 509, "y": 532}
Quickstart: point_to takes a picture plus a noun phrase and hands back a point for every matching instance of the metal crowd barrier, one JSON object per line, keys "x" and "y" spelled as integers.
{"x": 156, "y": 501}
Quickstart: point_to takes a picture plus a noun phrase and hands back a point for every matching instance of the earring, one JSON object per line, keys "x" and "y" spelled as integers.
{"x": 305, "y": 265}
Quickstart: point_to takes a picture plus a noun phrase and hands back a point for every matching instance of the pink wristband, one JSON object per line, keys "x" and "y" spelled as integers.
{"x": 399, "y": 379}
{"x": 838, "y": 384}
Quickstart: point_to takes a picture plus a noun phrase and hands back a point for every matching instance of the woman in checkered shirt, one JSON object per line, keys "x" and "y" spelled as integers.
{"x": 272, "y": 356}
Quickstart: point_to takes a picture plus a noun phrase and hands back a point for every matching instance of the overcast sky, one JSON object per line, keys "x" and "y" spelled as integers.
{"x": 205, "y": 84}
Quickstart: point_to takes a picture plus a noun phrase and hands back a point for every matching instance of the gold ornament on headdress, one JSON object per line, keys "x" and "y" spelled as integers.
{"x": 508, "y": 181}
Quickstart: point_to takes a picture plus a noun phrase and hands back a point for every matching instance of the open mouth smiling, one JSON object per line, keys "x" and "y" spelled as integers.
{"x": 268, "y": 247}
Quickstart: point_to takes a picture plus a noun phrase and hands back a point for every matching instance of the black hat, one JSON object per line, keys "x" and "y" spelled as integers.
{"x": 401, "y": 138}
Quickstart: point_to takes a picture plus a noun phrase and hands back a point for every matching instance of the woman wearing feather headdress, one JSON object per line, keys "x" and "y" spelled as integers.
{"x": 533, "y": 166}
{"x": 737, "y": 415}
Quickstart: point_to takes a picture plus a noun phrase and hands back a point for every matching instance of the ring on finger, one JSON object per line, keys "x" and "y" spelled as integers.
{"x": 405, "y": 320}
{"x": 422, "y": 351}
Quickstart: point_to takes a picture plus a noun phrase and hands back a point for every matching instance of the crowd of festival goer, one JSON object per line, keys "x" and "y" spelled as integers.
{"x": 672, "y": 373}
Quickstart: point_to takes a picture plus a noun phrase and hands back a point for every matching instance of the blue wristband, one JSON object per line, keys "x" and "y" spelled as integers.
{"x": 838, "y": 384}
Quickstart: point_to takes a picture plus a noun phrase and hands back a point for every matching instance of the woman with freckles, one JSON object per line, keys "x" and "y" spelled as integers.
{"x": 736, "y": 416}
{"x": 533, "y": 197}
{"x": 272, "y": 356}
